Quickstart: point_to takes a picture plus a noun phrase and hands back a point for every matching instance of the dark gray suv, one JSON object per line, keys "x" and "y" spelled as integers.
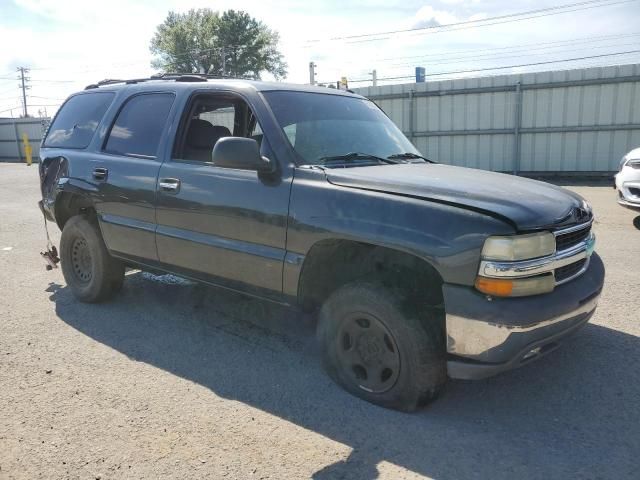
{"x": 313, "y": 198}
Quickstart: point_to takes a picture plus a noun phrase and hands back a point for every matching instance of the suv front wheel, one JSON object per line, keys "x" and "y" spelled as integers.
{"x": 379, "y": 347}
{"x": 90, "y": 272}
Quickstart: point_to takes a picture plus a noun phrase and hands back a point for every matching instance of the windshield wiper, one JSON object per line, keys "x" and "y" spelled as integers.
{"x": 354, "y": 156}
{"x": 408, "y": 155}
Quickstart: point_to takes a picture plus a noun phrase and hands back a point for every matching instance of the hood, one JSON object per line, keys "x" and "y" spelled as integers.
{"x": 527, "y": 204}
{"x": 633, "y": 154}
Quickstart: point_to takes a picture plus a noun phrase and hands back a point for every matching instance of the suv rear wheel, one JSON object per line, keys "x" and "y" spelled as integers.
{"x": 92, "y": 274}
{"x": 376, "y": 347}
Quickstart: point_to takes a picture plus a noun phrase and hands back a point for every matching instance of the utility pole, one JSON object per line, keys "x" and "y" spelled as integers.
{"x": 224, "y": 61}
{"x": 24, "y": 87}
{"x": 312, "y": 73}
{"x": 374, "y": 77}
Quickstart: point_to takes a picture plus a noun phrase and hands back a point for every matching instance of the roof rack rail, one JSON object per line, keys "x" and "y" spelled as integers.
{"x": 178, "y": 77}
{"x": 112, "y": 81}
{"x": 175, "y": 75}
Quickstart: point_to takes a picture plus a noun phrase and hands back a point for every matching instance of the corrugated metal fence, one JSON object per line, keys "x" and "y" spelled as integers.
{"x": 11, "y": 130}
{"x": 562, "y": 121}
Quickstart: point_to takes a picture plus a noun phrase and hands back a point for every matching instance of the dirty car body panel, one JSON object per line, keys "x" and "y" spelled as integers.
{"x": 254, "y": 233}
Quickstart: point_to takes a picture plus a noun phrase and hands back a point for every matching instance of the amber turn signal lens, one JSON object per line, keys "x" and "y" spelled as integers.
{"x": 516, "y": 287}
{"x": 495, "y": 286}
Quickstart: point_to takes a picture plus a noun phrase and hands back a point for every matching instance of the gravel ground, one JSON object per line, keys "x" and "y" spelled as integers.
{"x": 178, "y": 380}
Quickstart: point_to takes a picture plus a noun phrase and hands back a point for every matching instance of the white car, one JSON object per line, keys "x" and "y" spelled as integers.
{"x": 628, "y": 180}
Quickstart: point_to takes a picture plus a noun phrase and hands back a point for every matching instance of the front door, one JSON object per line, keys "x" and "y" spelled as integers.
{"x": 223, "y": 225}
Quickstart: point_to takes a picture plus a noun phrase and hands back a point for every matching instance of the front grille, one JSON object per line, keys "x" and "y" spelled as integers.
{"x": 635, "y": 191}
{"x": 570, "y": 270}
{"x": 571, "y": 239}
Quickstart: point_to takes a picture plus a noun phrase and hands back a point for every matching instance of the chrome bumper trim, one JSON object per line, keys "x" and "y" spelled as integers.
{"x": 575, "y": 228}
{"x": 628, "y": 204}
{"x": 475, "y": 338}
{"x": 528, "y": 268}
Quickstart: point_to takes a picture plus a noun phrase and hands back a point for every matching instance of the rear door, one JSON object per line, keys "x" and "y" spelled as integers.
{"x": 224, "y": 225}
{"x": 64, "y": 153}
{"x": 125, "y": 170}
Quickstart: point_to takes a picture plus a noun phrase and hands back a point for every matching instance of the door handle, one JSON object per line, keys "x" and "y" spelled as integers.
{"x": 100, "y": 173}
{"x": 170, "y": 185}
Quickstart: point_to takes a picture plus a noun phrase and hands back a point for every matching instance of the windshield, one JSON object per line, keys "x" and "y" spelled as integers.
{"x": 323, "y": 125}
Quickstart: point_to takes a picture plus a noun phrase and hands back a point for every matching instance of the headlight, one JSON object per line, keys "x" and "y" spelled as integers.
{"x": 519, "y": 247}
{"x": 622, "y": 162}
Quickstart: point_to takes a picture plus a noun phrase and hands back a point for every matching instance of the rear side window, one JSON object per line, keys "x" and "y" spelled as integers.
{"x": 77, "y": 120}
{"x": 139, "y": 125}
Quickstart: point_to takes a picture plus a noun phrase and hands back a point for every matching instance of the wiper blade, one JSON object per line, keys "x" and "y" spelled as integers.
{"x": 354, "y": 156}
{"x": 409, "y": 155}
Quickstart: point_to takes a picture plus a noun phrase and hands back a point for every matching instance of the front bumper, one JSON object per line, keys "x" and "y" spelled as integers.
{"x": 486, "y": 337}
{"x": 627, "y": 182}
{"x": 630, "y": 205}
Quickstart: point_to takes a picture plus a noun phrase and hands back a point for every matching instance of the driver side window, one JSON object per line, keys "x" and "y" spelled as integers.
{"x": 210, "y": 118}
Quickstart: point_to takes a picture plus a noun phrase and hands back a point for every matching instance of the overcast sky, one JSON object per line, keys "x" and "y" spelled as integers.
{"x": 71, "y": 43}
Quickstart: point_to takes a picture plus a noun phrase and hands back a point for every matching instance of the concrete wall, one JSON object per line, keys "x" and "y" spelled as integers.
{"x": 562, "y": 121}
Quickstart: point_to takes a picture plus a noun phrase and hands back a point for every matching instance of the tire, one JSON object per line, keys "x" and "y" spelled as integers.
{"x": 377, "y": 349}
{"x": 90, "y": 272}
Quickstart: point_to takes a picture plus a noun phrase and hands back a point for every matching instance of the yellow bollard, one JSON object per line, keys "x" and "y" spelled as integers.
{"x": 27, "y": 148}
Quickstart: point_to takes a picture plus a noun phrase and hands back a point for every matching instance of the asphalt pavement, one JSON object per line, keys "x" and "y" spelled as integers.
{"x": 177, "y": 380}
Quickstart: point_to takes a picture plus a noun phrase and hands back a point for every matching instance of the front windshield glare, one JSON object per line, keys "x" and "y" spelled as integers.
{"x": 320, "y": 125}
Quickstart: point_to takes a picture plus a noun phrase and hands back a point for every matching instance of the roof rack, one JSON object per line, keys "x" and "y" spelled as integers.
{"x": 178, "y": 77}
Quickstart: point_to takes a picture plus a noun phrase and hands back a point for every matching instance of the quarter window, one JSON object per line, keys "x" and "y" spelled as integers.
{"x": 78, "y": 120}
{"x": 139, "y": 125}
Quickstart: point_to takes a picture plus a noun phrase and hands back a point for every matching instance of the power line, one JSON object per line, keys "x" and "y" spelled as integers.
{"x": 556, "y": 10}
{"x": 145, "y": 59}
{"x": 53, "y": 81}
{"x": 444, "y": 29}
{"x": 9, "y": 101}
{"x": 516, "y": 54}
{"x": 502, "y": 67}
{"x": 12, "y": 108}
{"x": 12, "y": 89}
{"x": 45, "y": 98}
{"x": 40, "y": 80}
{"x": 452, "y": 27}
{"x": 536, "y": 46}
{"x": 475, "y": 23}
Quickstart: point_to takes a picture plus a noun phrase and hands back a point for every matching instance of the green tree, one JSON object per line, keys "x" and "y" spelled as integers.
{"x": 233, "y": 44}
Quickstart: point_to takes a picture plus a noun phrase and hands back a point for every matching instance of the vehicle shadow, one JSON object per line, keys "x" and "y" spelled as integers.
{"x": 636, "y": 222}
{"x": 573, "y": 414}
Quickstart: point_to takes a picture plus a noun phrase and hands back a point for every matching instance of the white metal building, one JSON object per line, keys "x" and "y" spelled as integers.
{"x": 548, "y": 122}
{"x": 11, "y": 131}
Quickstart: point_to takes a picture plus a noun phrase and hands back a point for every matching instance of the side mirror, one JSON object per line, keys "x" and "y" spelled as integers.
{"x": 242, "y": 153}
